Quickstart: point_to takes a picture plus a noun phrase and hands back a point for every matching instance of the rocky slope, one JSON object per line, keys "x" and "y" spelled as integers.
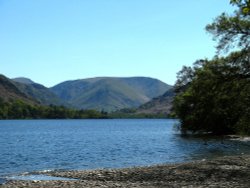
{"x": 159, "y": 105}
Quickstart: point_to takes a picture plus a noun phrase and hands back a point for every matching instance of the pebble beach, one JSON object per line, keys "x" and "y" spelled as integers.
{"x": 230, "y": 171}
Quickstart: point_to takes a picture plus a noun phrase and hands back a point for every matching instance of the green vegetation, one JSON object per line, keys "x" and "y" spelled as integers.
{"x": 213, "y": 96}
{"x": 40, "y": 93}
{"x": 21, "y": 98}
{"x": 109, "y": 93}
{"x": 17, "y": 109}
{"x": 132, "y": 113}
{"x": 9, "y": 91}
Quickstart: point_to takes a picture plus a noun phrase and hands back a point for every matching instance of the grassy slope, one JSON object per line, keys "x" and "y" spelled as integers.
{"x": 148, "y": 86}
{"x": 42, "y": 94}
{"x": 9, "y": 91}
{"x": 109, "y": 93}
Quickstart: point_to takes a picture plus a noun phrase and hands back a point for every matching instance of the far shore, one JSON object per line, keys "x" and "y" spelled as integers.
{"x": 228, "y": 171}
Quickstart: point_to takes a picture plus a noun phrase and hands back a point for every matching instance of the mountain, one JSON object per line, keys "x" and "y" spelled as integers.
{"x": 9, "y": 91}
{"x": 158, "y": 105}
{"x": 102, "y": 93}
{"x": 23, "y": 80}
{"x": 37, "y": 91}
{"x": 109, "y": 93}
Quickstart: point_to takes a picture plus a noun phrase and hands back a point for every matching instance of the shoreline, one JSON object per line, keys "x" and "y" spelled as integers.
{"x": 228, "y": 171}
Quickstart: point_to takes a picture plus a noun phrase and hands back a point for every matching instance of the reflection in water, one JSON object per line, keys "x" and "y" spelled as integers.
{"x": 211, "y": 147}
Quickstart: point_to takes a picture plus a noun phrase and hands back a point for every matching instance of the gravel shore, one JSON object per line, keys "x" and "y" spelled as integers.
{"x": 232, "y": 171}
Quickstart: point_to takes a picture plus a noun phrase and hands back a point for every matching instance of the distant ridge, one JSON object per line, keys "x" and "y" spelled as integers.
{"x": 100, "y": 93}
{"x": 23, "y": 80}
{"x": 37, "y": 91}
{"x": 9, "y": 91}
{"x": 110, "y": 93}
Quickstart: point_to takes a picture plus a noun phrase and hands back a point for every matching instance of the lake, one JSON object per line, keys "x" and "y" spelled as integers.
{"x": 37, "y": 145}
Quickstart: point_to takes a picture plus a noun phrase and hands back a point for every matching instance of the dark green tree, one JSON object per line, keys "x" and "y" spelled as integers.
{"x": 214, "y": 96}
{"x": 216, "y": 100}
{"x": 232, "y": 31}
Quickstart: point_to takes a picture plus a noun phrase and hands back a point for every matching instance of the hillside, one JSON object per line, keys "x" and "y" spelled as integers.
{"x": 15, "y": 104}
{"x": 42, "y": 94}
{"x": 102, "y": 93}
{"x": 109, "y": 93}
{"x": 9, "y": 91}
{"x": 158, "y": 105}
{"x": 23, "y": 80}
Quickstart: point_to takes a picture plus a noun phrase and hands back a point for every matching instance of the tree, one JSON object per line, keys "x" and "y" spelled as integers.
{"x": 217, "y": 99}
{"x": 244, "y": 6}
{"x": 214, "y": 96}
{"x": 232, "y": 31}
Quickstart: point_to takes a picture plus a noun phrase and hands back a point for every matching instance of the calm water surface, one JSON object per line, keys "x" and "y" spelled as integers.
{"x": 34, "y": 145}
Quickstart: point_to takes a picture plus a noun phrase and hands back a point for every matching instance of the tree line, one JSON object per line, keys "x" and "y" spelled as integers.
{"x": 17, "y": 109}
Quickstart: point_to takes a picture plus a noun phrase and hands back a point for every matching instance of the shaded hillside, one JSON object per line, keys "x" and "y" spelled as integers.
{"x": 149, "y": 86}
{"x": 23, "y": 80}
{"x": 109, "y": 94}
{"x": 42, "y": 94}
{"x": 158, "y": 105}
{"x": 9, "y": 91}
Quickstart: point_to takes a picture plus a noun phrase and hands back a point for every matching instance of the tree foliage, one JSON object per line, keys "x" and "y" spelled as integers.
{"x": 232, "y": 31}
{"x": 214, "y": 95}
{"x": 217, "y": 99}
{"x": 244, "y": 6}
{"x": 18, "y": 109}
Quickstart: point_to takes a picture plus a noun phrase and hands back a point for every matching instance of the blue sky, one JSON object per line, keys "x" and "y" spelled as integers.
{"x": 50, "y": 41}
